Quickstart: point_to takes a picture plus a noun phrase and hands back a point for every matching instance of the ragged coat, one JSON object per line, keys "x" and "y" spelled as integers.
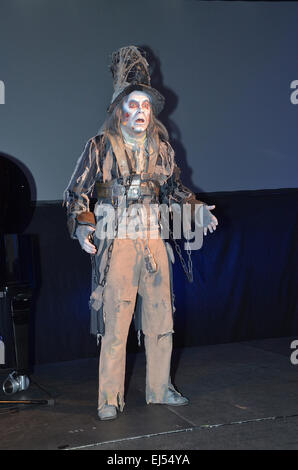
{"x": 105, "y": 158}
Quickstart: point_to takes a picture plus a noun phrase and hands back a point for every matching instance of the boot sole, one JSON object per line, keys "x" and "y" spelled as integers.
{"x": 108, "y": 417}
{"x": 170, "y": 404}
{"x": 177, "y": 404}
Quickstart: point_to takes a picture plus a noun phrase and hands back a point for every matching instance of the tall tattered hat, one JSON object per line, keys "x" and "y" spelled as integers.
{"x": 130, "y": 72}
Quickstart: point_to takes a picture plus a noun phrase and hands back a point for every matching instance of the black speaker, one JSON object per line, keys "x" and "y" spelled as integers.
{"x": 15, "y": 304}
{"x": 16, "y": 274}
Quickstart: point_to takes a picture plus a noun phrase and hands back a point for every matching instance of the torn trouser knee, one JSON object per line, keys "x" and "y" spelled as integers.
{"x": 158, "y": 362}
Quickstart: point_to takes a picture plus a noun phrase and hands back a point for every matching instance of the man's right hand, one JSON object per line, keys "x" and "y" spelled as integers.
{"x": 82, "y": 233}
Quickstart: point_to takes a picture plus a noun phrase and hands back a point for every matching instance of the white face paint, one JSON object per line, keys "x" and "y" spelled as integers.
{"x": 136, "y": 112}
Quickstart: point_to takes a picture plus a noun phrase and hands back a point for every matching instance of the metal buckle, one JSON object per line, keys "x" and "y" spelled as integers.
{"x": 134, "y": 189}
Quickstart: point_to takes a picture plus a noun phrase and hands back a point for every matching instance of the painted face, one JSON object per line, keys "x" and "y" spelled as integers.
{"x": 136, "y": 112}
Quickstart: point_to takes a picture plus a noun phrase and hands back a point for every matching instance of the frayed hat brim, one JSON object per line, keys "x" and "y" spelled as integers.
{"x": 157, "y": 99}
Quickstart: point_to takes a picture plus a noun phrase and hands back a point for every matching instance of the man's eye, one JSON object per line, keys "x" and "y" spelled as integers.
{"x": 146, "y": 105}
{"x": 132, "y": 105}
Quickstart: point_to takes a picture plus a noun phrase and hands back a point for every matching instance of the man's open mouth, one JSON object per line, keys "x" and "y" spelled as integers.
{"x": 140, "y": 121}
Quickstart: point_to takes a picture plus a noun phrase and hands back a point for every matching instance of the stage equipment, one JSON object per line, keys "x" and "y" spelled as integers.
{"x": 17, "y": 280}
{"x": 15, "y": 305}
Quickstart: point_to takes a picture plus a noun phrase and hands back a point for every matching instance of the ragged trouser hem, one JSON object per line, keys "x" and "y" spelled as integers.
{"x": 112, "y": 398}
{"x": 162, "y": 399}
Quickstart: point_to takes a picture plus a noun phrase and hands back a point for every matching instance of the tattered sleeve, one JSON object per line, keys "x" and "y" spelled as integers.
{"x": 80, "y": 187}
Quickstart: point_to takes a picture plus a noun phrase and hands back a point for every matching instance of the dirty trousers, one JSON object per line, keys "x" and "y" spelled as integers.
{"x": 126, "y": 278}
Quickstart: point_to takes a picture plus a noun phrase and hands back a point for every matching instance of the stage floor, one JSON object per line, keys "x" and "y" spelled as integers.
{"x": 242, "y": 396}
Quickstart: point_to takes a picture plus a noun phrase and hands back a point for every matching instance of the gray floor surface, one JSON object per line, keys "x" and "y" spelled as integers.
{"x": 242, "y": 396}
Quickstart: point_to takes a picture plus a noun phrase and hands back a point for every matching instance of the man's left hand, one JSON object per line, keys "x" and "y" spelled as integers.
{"x": 213, "y": 223}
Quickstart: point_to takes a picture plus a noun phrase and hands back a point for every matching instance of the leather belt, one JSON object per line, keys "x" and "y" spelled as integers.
{"x": 138, "y": 188}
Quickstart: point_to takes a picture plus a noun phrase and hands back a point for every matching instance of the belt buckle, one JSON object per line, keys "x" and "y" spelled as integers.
{"x": 134, "y": 190}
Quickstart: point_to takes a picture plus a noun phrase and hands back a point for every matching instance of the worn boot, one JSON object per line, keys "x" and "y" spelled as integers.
{"x": 107, "y": 412}
{"x": 176, "y": 399}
